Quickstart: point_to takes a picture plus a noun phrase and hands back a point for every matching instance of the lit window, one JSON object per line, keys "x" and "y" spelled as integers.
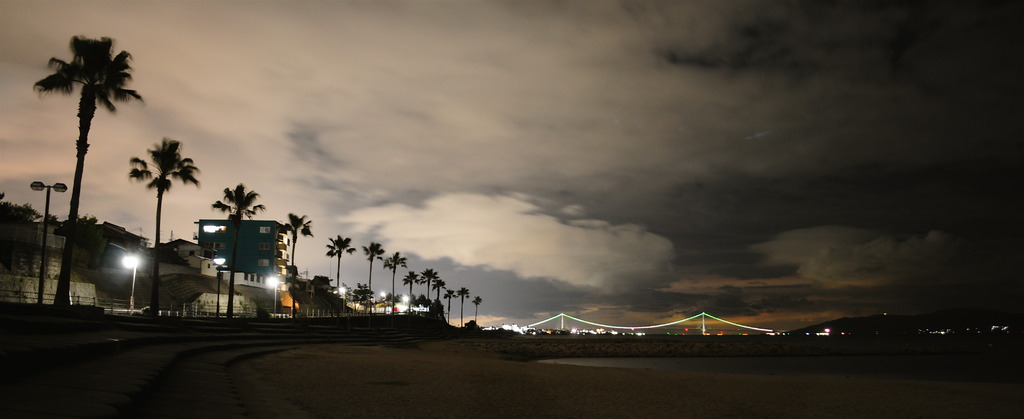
{"x": 265, "y": 230}
{"x": 214, "y": 229}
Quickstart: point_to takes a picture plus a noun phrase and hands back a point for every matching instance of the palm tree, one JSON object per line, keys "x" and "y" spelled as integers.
{"x": 438, "y": 286}
{"x": 339, "y": 246}
{"x": 428, "y": 275}
{"x": 448, "y": 295}
{"x": 167, "y": 165}
{"x": 476, "y": 301}
{"x": 462, "y": 293}
{"x": 295, "y": 226}
{"x": 411, "y": 278}
{"x": 393, "y": 263}
{"x": 102, "y": 78}
{"x": 237, "y": 203}
{"x": 372, "y": 252}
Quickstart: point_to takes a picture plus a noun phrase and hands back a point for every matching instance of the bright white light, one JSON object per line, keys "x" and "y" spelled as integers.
{"x": 405, "y": 298}
{"x": 383, "y": 294}
{"x": 272, "y": 282}
{"x": 130, "y": 261}
{"x": 219, "y": 261}
{"x": 212, "y": 228}
{"x": 343, "y": 290}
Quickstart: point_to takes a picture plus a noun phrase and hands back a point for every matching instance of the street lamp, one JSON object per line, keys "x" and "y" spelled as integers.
{"x": 405, "y": 300}
{"x": 38, "y": 186}
{"x": 273, "y": 281}
{"x": 220, "y": 263}
{"x": 131, "y": 261}
{"x": 383, "y": 298}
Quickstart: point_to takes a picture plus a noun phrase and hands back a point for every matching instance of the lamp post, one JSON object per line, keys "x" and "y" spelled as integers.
{"x": 344, "y": 305}
{"x": 273, "y": 281}
{"x": 220, "y": 263}
{"x": 383, "y": 298}
{"x": 131, "y": 261}
{"x": 38, "y": 186}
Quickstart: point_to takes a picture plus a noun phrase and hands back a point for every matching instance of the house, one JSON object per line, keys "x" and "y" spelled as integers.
{"x": 262, "y": 247}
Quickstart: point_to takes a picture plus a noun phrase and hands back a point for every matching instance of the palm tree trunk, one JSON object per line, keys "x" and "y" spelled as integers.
{"x": 462, "y": 311}
{"x": 154, "y": 293}
{"x": 86, "y": 111}
{"x": 234, "y": 264}
{"x": 338, "y": 275}
{"x": 369, "y": 304}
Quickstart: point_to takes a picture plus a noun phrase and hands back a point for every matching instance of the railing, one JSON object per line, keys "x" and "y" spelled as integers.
{"x": 30, "y": 297}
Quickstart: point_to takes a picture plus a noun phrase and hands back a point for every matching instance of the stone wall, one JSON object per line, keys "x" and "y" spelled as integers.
{"x": 14, "y": 288}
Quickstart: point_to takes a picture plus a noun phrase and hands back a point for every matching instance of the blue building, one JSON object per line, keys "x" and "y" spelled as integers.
{"x": 262, "y": 246}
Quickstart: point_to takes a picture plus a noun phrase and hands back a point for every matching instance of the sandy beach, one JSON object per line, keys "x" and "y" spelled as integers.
{"x": 460, "y": 379}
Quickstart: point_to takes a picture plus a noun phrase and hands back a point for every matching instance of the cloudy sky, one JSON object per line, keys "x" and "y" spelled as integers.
{"x": 774, "y": 163}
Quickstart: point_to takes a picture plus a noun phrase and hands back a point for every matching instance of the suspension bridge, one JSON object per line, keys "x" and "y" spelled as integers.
{"x": 561, "y": 317}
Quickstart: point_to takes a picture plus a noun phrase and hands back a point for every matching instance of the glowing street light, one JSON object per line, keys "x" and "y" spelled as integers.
{"x": 383, "y": 297}
{"x": 38, "y": 186}
{"x": 273, "y": 281}
{"x": 219, "y": 261}
{"x": 131, "y": 261}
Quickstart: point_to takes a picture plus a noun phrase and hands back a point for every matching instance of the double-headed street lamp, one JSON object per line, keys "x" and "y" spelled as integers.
{"x": 131, "y": 261}
{"x": 38, "y": 186}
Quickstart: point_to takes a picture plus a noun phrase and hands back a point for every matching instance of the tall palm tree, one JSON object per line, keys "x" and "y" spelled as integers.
{"x": 428, "y": 275}
{"x": 339, "y": 246}
{"x": 394, "y": 262}
{"x": 476, "y": 301}
{"x": 448, "y": 295}
{"x": 462, "y": 293}
{"x": 102, "y": 77}
{"x": 410, "y": 278}
{"x": 438, "y": 286}
{"x": 296, "y": 225}
{"x": 167, "y": 165}
{"x": 237, "y": 203}
{"x": 372, "y": 252}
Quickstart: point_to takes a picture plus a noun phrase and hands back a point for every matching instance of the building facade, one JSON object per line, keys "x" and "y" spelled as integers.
{"x": 262, "y": 246}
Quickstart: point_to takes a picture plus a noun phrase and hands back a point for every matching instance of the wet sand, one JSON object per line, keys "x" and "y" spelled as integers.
{"x": 459, "y": 379}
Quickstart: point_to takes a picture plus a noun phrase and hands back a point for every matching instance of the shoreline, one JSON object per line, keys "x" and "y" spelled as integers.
{"x": 467, "y": 377}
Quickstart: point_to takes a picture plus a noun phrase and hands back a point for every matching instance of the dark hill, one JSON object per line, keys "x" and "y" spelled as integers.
{"x": 956, "y": 321}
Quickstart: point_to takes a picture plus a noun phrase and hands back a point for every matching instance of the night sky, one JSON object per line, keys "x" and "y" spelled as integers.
{"x": 774, "y": 163}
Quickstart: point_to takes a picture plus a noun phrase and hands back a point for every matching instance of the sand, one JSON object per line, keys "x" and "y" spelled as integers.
{"x": 458, "y": 379}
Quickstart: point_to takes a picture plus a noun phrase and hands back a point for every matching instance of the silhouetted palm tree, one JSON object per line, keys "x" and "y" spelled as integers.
{"x": 294, "y": 227}
{"x": 393, "y": 263}
{"x": 476, "y": 301}
{"x": 448, "y": 295}
{"x": 167, "y": 165}
{"x": 410, "y": 279}
{"x": 428, "y": 275}
{"x": 339, "y": 246}
{"x": 237, "y": 203}
{"x": 438, "y": 286}
{"x": 372, "y": 252}
{"x": 462, "y": 293}
{"x": 298, "y": 225}
{"x": 102, "y": 78}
